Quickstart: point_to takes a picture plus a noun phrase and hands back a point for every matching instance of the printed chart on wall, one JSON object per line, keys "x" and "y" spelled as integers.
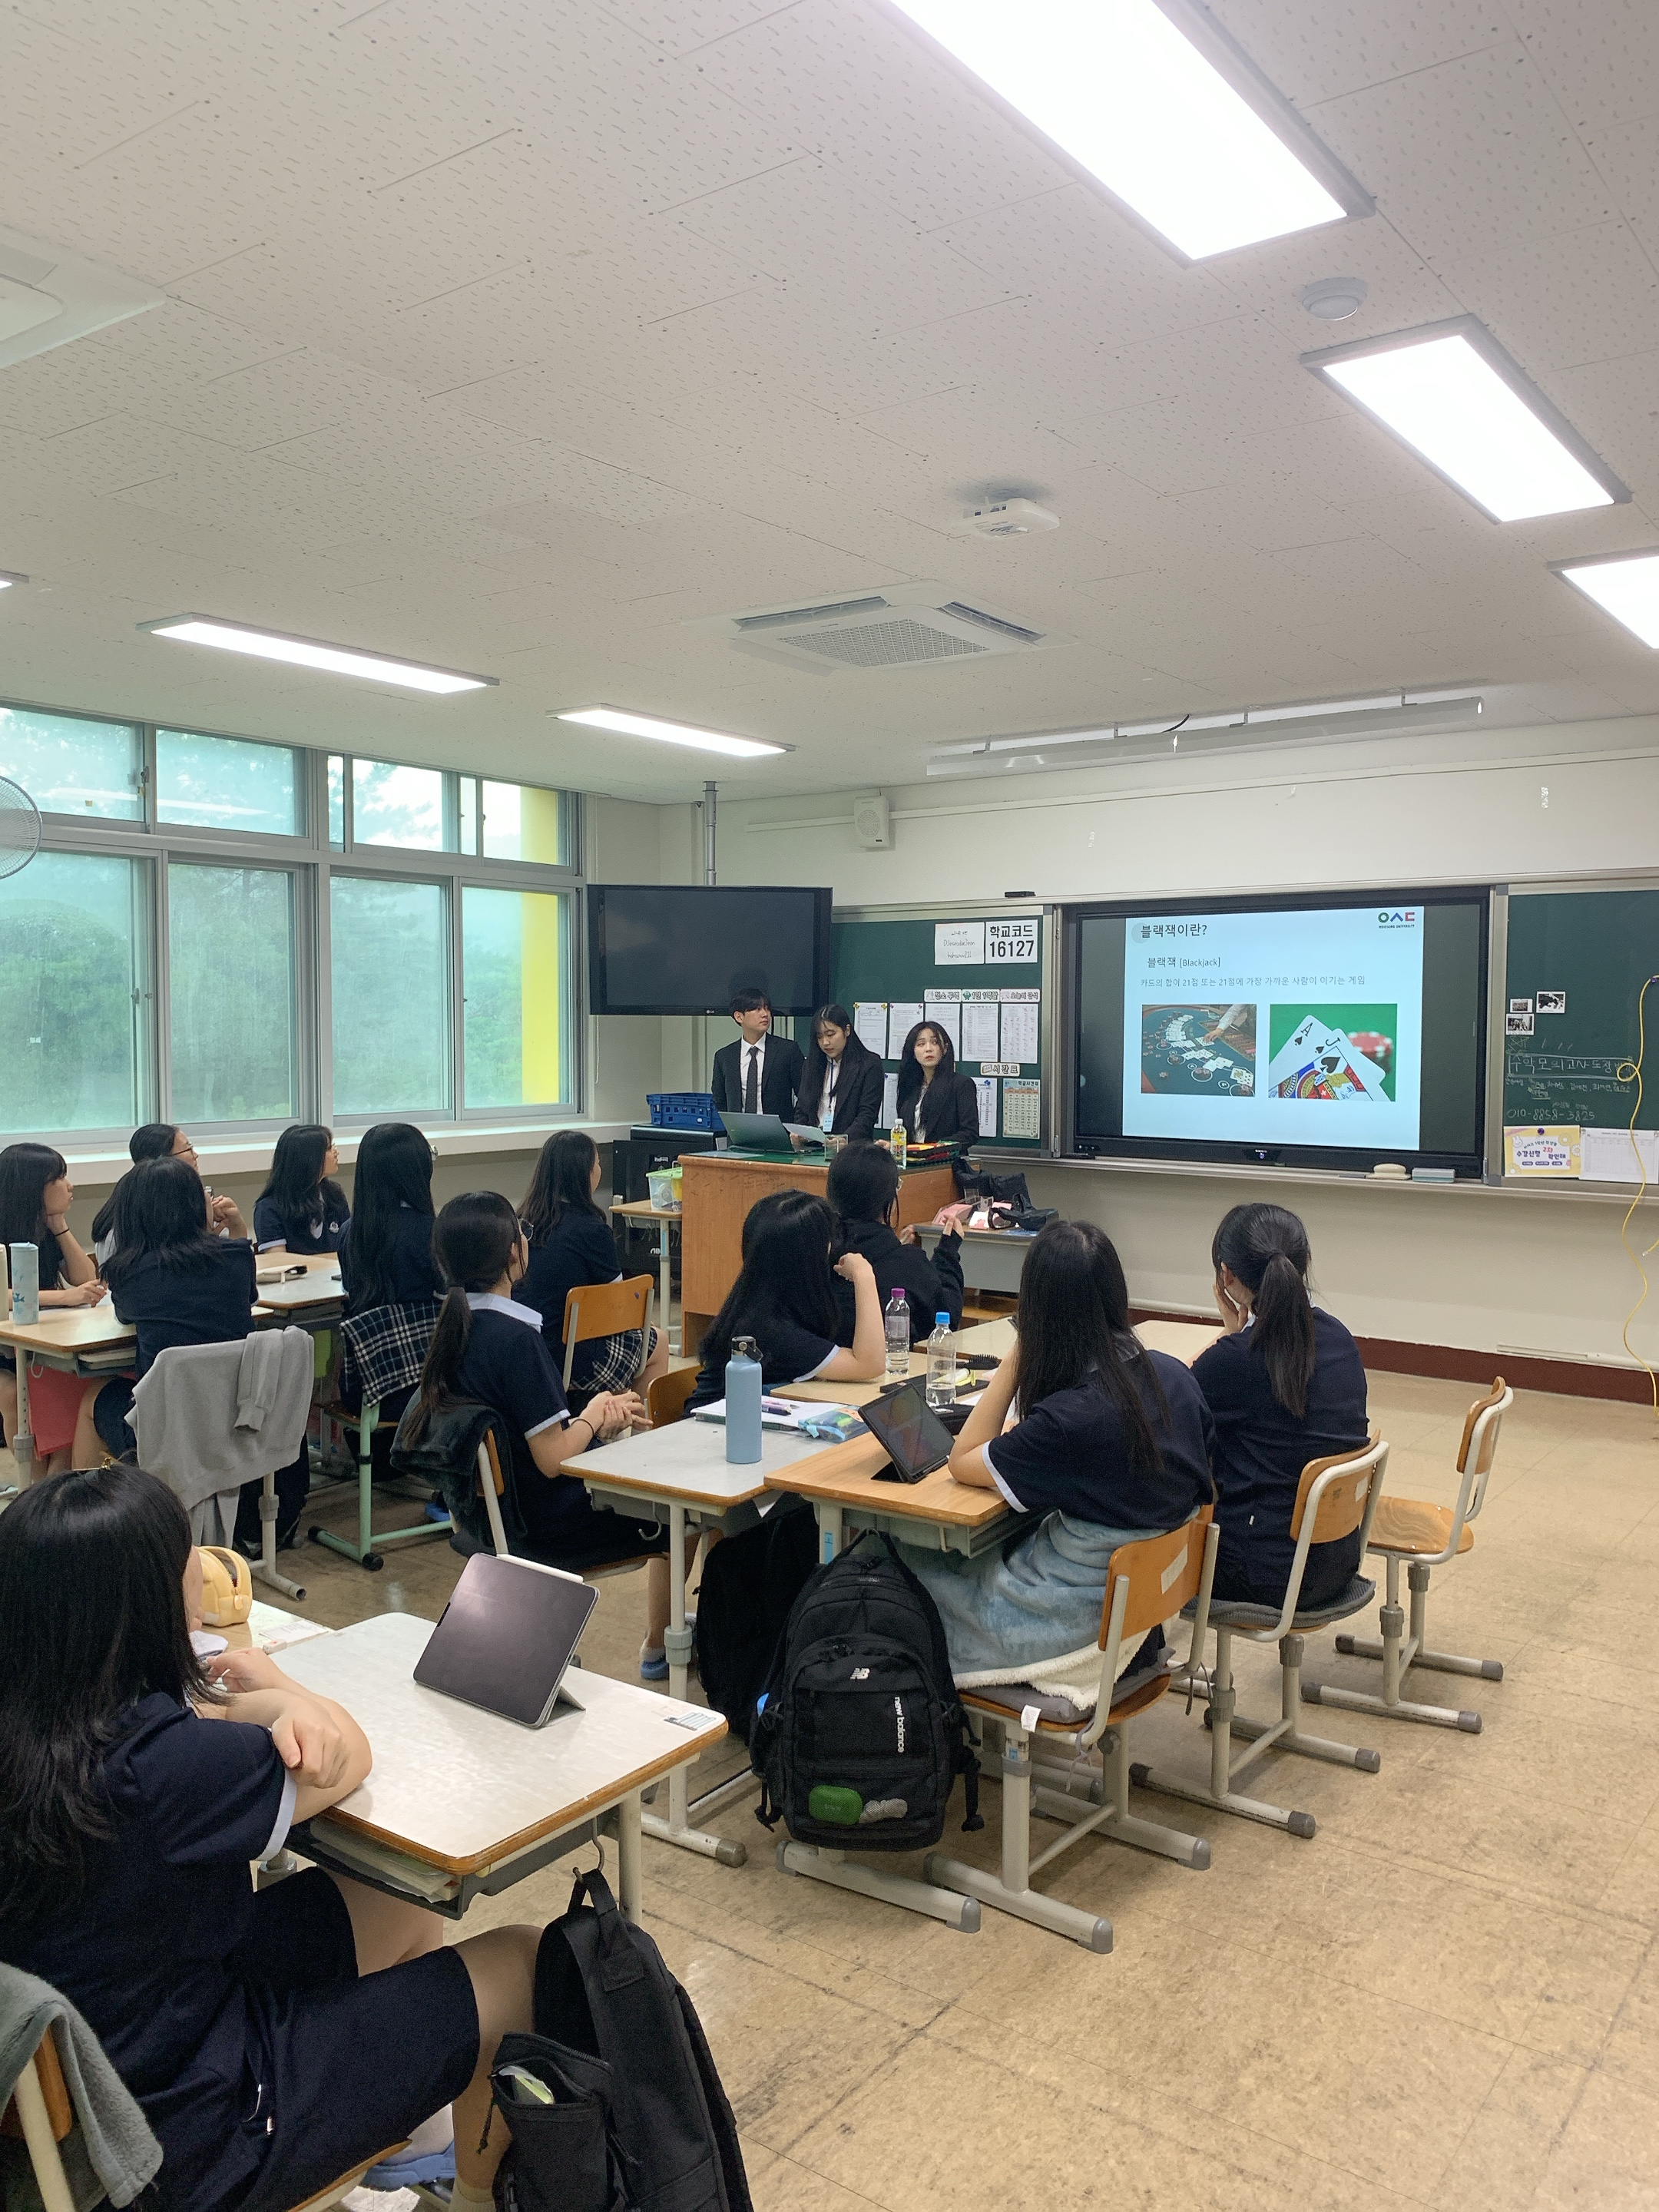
{"x": 979, "y": 979}
{"x": 1577, "y": 964}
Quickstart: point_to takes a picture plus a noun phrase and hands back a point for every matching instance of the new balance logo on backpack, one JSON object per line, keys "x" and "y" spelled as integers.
{"x": 859, "y": 1726}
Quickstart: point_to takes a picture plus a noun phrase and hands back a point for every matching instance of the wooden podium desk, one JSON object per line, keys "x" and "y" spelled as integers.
{"x": 718, "y": 1189}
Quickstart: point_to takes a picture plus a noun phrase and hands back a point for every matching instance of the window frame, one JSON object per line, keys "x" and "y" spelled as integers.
{"x": 312, "y": 862}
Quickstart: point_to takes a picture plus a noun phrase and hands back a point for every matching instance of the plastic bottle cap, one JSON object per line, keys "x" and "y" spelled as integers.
{"x": 943, "y": 1320}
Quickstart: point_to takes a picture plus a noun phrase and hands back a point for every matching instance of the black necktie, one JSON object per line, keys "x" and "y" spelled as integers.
{"x": 751, "y": 1082}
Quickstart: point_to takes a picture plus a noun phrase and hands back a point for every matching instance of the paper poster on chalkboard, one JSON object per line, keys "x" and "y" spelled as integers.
{"x": 959, "y": 944}
{"x": 985, "y": 1090}
{"x": 979, "y": 1025}
{"x": 870, "y": 1026}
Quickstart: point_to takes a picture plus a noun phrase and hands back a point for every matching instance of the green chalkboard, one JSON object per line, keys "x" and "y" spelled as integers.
{"x": 1599, "y": 948}
{"x": 895, "y": 961}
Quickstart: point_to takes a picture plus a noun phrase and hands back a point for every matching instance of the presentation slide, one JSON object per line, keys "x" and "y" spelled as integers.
{"x": 1287, "y": 1027}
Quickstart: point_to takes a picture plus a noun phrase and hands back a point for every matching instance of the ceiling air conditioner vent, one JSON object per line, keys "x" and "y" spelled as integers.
{"x": 902, "y": 626}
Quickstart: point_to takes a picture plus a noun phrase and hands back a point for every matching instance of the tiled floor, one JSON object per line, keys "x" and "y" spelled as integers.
{"x": 1448, "y": 1997}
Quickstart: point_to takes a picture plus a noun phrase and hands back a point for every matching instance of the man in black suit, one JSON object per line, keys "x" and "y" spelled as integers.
{"x": 760, "y": 1073}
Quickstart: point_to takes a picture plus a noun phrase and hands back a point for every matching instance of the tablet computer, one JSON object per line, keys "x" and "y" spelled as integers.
{"x": 507, "y": 1636}
{"x": 909, "y": 1431}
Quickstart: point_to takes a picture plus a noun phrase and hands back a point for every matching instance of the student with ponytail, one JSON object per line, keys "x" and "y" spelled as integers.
{"x": 1285, "y": 1384}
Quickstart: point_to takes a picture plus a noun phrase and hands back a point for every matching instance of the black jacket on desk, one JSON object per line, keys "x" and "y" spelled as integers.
{"x": 1260, "y": 1450}
{"x": 931, "y": 1286}
{"x": 780, "y": 1077}
{"x": 858, "y": 1093}
{"x": 945, "y": 1112}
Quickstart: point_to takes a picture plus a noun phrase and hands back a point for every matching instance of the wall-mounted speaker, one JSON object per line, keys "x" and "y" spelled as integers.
{"x": 872, "y": 822}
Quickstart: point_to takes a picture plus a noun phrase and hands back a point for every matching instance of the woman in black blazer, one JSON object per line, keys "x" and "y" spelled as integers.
{"x": 843, "y": 1077}
{"x": 937, "y": 1105}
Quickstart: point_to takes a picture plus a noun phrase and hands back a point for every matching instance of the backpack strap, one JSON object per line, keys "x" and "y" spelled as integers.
{"x": 619, "y": 1962}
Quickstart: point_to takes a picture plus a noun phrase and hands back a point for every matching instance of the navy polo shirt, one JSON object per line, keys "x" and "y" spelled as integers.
{"x": 508, "y": 1366}
{"x": 171, "y": 1306}
{"x": 1071, "y": 1455}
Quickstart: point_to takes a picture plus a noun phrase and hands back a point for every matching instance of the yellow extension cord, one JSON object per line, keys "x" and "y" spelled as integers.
{"x": 1630, "y": 1070}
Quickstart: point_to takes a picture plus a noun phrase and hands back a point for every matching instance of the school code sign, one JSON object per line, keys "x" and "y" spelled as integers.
{"x": 1009, "y": 941}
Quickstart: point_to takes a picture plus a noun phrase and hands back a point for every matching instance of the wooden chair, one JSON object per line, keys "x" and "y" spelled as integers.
{"x": 1425, "y": 1537}
{"x": 1334, "y": 1497}
{"x": 492, "y": 1485}
{"x": 666, "y": 1401}
{"x": 593, "y": 1309}
{"x": 1145, "y": 1583}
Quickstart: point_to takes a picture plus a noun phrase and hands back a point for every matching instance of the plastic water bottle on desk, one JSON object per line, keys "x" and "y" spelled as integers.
{"x": 899, "y": 1144}
{"x": 941, "y": 1364}
{"x": 742, "y": 1404}
{"x": 896, "y": 1322}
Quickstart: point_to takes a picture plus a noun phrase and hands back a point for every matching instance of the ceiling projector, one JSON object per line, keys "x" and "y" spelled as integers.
{"x": 1008, "y": 518}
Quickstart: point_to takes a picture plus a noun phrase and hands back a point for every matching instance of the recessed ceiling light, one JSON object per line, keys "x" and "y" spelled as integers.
{"x": 1333, "y": 298}
{"x": 670, "y": 733}
{"x": 311, "y": 652}
{"x": 1626, "y": 584}
{"x": 1152, "y": 99}
{"x": 8, "y": 577}
{"x": 1452, "y": 394}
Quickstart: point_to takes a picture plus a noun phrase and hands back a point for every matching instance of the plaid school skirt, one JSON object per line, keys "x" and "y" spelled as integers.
{"x": 611, "y": 1362}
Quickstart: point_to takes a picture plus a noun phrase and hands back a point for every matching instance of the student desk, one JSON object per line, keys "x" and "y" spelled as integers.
{"x": 717, "y": 1190}
{"x": 679, "y": 1473}
{"x": 992, "y": 1259}
{"x": 640, "y": 1209}
{"x": 302, "y": 1300}
{"x": 989, "y": 1338}
{"x": 461, "y": 1803}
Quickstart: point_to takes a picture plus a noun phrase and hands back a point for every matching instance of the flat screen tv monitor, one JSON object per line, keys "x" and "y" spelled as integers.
{"x": 689, "y": 948}
{"x": 1323, "y": 1030}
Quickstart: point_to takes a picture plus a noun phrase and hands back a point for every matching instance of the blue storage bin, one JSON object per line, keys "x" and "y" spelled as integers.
{"x": 681, "y": 1110}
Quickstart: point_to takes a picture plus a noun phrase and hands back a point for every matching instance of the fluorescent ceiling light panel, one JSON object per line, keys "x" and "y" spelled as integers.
{"x": 311, "y": 652}
{"x": 1452, "y": 394}
{"x": 1156, "y": 103}
{"x": 670, "y": 733}
{"x": 1626, "y": 584}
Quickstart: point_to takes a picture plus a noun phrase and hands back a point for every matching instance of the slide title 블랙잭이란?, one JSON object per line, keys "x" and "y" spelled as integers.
{"x": 1292, "y": 1027}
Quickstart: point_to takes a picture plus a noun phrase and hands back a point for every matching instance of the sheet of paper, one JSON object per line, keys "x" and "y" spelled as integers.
{"x": 985, "y": 1088}
{"x": 979, "y": 1027}
{"x": 1014, "y": 939}
{"x": 1020, "y": 1022}
{"x": 1538, "y": 1150}
{"x": 1022, "y": 1109}
{"x": 889, "y": 1101}
{"x": 902, "y": 1015}
{"x": 1608, "y": 1156}
{"x": 947, "y": 1013}
{"x": 959, "y": 944}
{"x": 870, "y": 1026}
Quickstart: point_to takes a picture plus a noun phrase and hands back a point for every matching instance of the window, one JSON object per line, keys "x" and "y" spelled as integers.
{"x": 392, "y": 806}
{"x": 227, "y": 783}
{"x": 336, "y": 802}
{"x": 72, "y": 994}
{"x": 391, "y": 989}
{"x": 522, "y": 821}
{"x": 515, "y": 969}
{"x": 231, "y": 976}
{"x": 68, "y": 766}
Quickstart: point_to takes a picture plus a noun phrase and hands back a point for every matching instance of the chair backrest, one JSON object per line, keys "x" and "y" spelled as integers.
{"x": 666, "y": 1401}
{"x": 53, "y": 2090}
{"x": 492, "y": 1485}
{"x": 1477, "y": 1451}
{"x": 1341, "y": 1492}
{"x": 593, "y": 1309}
{"x": 1162, "y": 1574}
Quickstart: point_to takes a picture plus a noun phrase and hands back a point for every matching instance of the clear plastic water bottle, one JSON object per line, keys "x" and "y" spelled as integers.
{"x": 896, "y": 1322}
{"x": 742, "y": 1404}
{"x": 941, "y": 1364}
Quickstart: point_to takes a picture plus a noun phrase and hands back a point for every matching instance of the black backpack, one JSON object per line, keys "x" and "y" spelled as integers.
{"x": 749, "y": 1583}
{"x": 860, "y": 1735}
{"x": 640, "y": 2122}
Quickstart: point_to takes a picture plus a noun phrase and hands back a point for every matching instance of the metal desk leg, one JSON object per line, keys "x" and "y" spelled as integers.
{"x": 22, "y": 1444}
{"x": 665, "y": 1286}
{"x": 678, "y": 1643}
{"x": 630, "y": 1853}
{"x": 264, "y": 1567}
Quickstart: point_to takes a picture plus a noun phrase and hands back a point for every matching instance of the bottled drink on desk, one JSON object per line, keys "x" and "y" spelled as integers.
{"x": 896, "y": 1322}
{"x": 743, "y": 1403}
{"x": 941, "y": 1364}
{"x": 898, "y": 1144}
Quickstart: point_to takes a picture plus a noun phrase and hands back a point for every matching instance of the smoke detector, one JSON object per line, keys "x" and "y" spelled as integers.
{"x": 47, "y": 298}
{"x": 900, "y": 626}
{"x": 1333, "y": 298}
{"x": 1007, "y": 518}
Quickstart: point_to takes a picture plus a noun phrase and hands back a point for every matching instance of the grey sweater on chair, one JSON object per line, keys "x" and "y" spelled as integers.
{"x": 111, "y": 2152}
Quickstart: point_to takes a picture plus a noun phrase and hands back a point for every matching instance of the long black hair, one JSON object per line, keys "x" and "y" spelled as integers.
{"x": 562, "y": 1183}
{"x": 92, "y": 1618}
{"x": 1073, "y": 1324}
{"x": 1266, "y": 1247}
{"x": 473, "y": 1241}
{"x": 161, "y": 1207}
{"x": 862, "y": 1184}
{"x": 25, "y": 1171}
{"x": 394, "y": 1175}
{"x": 297, "y": 1180}
{"x": 155, "y": 1141}
{"x": 785, "y": 1274}
{"x": 855, "y": 1052}
{"x": 911, "y": 1081}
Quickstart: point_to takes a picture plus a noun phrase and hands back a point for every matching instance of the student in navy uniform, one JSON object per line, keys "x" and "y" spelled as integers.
{"x": 1285, "y": 1385}
{"x": 160, "y": 1140}
{"x": 784, "y": 1298}
{"x": 35, "y": 1197}
{"x": 301, "y": 1209}
{"x": 385, "y": 1241}
{"x": 937, "y": 1105}
{"x": 863, "y": 1190}
{"x": 570, "y": 1245}
{"x": 490, "y": 1350}
{"x": 177, "y": 1281}
{"x": 760, "y": 1073}
{"x": 1111, "y": 1443}
{"x": 274, "y": 2040}
{"x": 840, "y": 1090}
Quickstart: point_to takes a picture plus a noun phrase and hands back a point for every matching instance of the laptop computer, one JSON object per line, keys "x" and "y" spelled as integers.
{"x": 909, "y": 1431}
{"x": 766, "y": 1133}
{"x": 506, "y": 1638}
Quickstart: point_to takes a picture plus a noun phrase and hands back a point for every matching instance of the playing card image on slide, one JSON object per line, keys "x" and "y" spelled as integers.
{"x": 1332, "y": 1052}
{"x": 1192, "y": 1050}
